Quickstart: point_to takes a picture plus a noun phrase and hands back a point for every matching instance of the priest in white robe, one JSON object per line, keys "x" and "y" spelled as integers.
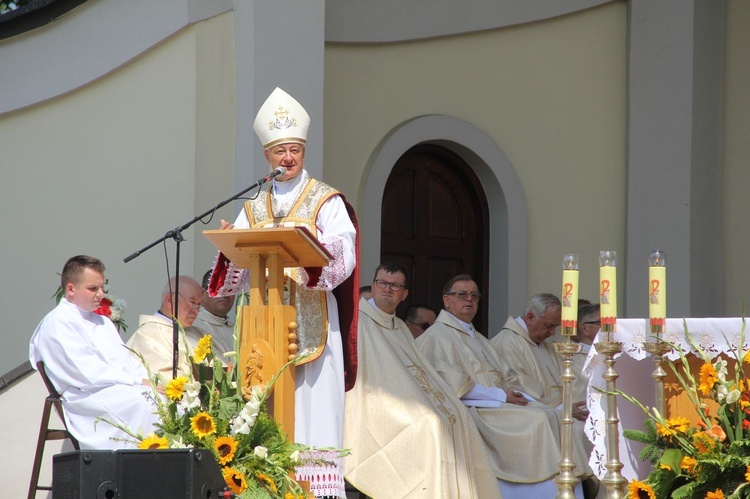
{"x": 87, "y": 362}
{"x": 408, "y": 435}
{"x": 538, "y": 368}
{"x": 324, "y": 297}
{"x": 522, "y": 435}
{"x": 154, "y": 338}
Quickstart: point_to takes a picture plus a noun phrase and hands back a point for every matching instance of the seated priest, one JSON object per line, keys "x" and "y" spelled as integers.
{"x": 87, "y": 362}
{"x": 408, "y": 435}
{"x": 522, "y": 435}
{"x": 154, "y": 338}
{"x": 538, "y": 368}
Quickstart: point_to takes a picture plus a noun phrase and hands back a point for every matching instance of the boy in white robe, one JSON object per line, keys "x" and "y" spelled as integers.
{"x": 87, "y": 362}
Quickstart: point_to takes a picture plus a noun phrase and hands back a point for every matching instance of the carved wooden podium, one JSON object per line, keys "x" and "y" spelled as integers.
{"x": 268, "y": 338}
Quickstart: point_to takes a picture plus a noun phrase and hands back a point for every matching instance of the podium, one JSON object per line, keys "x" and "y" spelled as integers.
{"x": 268, "y": 338}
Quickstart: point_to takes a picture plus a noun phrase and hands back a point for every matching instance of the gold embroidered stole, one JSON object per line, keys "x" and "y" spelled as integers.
{"x": 311, "y": 304}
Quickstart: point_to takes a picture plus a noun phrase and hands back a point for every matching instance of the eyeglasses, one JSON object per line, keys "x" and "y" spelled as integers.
{"x": 463, "y": 295}
{"x": 393, "y": 286}
{"x": 421, "y": 325}
{"x": 196, "y": 304}
{"x": 595, "y": 323}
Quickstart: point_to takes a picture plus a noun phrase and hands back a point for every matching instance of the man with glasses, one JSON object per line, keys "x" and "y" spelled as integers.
{"x": 153, "y": 338}
{"x": 522, "y": 436}
{"x": 419, "y": 317}
{"x": 410, "y": 437}
{"x": 533, "y": 361}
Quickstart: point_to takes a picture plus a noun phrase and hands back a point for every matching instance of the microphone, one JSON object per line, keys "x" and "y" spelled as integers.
{"x": 278, "y": 171}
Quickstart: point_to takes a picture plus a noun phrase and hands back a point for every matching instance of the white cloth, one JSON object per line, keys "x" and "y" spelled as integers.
{"x": 95, "y": 374}
{"x": 221, "y": 331}
{"x": 635, "y": 366}
{"x": 319, "y": 394}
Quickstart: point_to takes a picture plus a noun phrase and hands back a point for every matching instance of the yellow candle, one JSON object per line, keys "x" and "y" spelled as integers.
{"x": 657, "y": 291}
{"x": 570, "y": 295}
{"x": 608, "y": 290}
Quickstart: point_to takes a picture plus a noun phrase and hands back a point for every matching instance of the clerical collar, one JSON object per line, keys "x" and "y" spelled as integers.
{"x": 466, "y": 326}
{"x": 159, "y": 314}
{"x": 385, "y": 315}
{"x": 282, "y": 188}
{"x": 521, "y": 323}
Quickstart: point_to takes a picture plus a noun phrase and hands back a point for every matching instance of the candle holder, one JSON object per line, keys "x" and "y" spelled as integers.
{"x": 614, "y": 483}
{"x": 658, "y": 349}
{"x": 566, "y": 480}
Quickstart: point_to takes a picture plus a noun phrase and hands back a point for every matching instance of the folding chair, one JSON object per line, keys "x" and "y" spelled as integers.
{"x": 46, "y": 433}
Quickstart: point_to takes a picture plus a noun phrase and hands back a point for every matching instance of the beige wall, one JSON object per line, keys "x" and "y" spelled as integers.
{"x": 551, "y": 94}
{"x": 736, "y": 159}
{"x": 109, "y": 168}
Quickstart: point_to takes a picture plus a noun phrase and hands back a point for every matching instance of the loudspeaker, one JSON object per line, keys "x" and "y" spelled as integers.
{"x": 168, "y": 474}
{"x": 137, "y": 474}
{"x": 84, "y": 474}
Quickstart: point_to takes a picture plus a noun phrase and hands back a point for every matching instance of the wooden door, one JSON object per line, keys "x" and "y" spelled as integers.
{"x": 435, "y": 222}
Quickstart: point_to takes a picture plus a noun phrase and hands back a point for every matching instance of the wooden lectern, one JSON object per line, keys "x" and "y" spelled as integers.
{"x": 268, "y": 338}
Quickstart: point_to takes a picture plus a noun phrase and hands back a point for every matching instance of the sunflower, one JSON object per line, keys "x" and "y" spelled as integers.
{"x": 673, "y": 427}
{"x": 747, "y": 474}
{"x": 153, "y": 442}
{"x": 268, "y": 482}
{"x": 203, "y": 348}
{"x": 176, "y": 387}
{"x": 236, "y": 481}
{"x": 203, "y": 425}
{"x": 225, "y": 447}
{"x": 708, "y": 378}
{"x": 717, "y": 494}
{"x": 640, "y": 490}
{"x": 688, "y": 464}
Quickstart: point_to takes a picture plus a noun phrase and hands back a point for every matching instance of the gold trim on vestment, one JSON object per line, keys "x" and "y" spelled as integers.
{"x": 311, "y": 304}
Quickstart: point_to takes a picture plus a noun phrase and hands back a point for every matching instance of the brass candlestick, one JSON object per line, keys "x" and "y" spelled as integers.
{"x": 566, "y": 480}
{"x": 613, "y": 481}
{"x": 658, "y": 348}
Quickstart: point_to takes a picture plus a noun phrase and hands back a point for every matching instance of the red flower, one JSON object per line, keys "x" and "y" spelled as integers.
{"x": 104, "y": 307}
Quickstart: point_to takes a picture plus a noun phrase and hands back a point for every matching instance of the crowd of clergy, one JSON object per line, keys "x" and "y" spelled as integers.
{"x": 439, "y": 410}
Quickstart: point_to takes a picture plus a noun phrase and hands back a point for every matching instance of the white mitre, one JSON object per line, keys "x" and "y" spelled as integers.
{"x": 280, "y": 120}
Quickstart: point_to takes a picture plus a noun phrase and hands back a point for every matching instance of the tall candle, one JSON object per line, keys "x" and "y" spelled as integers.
{"x": 657, "y": 291}
{"x": 569, "y": 295}
{"x": 608, "y": 290}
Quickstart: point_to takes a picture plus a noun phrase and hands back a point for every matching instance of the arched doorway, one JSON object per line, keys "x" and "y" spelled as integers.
{"x": 435, "y": 222}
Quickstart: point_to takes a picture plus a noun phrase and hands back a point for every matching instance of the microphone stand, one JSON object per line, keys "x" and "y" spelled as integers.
{"x": 176, "y": 234}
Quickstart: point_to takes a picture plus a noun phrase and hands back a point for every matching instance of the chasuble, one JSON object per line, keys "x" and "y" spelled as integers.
{"x": 408, "y": 435}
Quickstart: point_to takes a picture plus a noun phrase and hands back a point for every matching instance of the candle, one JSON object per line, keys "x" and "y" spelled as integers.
{"x": 570, "y": 295}
{"x": 608, "y": 290}
{"x": 657, "y": 291}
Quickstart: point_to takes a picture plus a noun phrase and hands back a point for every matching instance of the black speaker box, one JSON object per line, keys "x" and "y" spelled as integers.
{"x": 168, "y": 474}
{"x": 84, "y": 474}
{"x": 137, "y": 474}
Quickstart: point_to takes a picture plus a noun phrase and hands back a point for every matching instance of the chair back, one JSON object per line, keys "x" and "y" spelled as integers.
{"x": 46, "y": 433}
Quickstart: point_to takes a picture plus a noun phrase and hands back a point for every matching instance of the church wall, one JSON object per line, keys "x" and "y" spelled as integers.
{"x": 736, "y": 150}
{"x": 111, "y": 167}
{"x": 551, "y": 94}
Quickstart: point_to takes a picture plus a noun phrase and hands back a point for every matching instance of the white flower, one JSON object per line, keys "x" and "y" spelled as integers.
{"x": 179, "y": 444}
{"x": 721, "y": 393}
{"x": 721, "y": 369}
{"x": 261, "y": 451}
{"x": 294, "y": 456}
{"x": 239, "y": 425}
{"x": 733, "y": 396}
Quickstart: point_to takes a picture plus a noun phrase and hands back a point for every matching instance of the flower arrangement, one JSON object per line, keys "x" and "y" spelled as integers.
{"x": 110, "y": 307}
{"x": 711, "y": 457}
{"x": 206, "y": 410}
